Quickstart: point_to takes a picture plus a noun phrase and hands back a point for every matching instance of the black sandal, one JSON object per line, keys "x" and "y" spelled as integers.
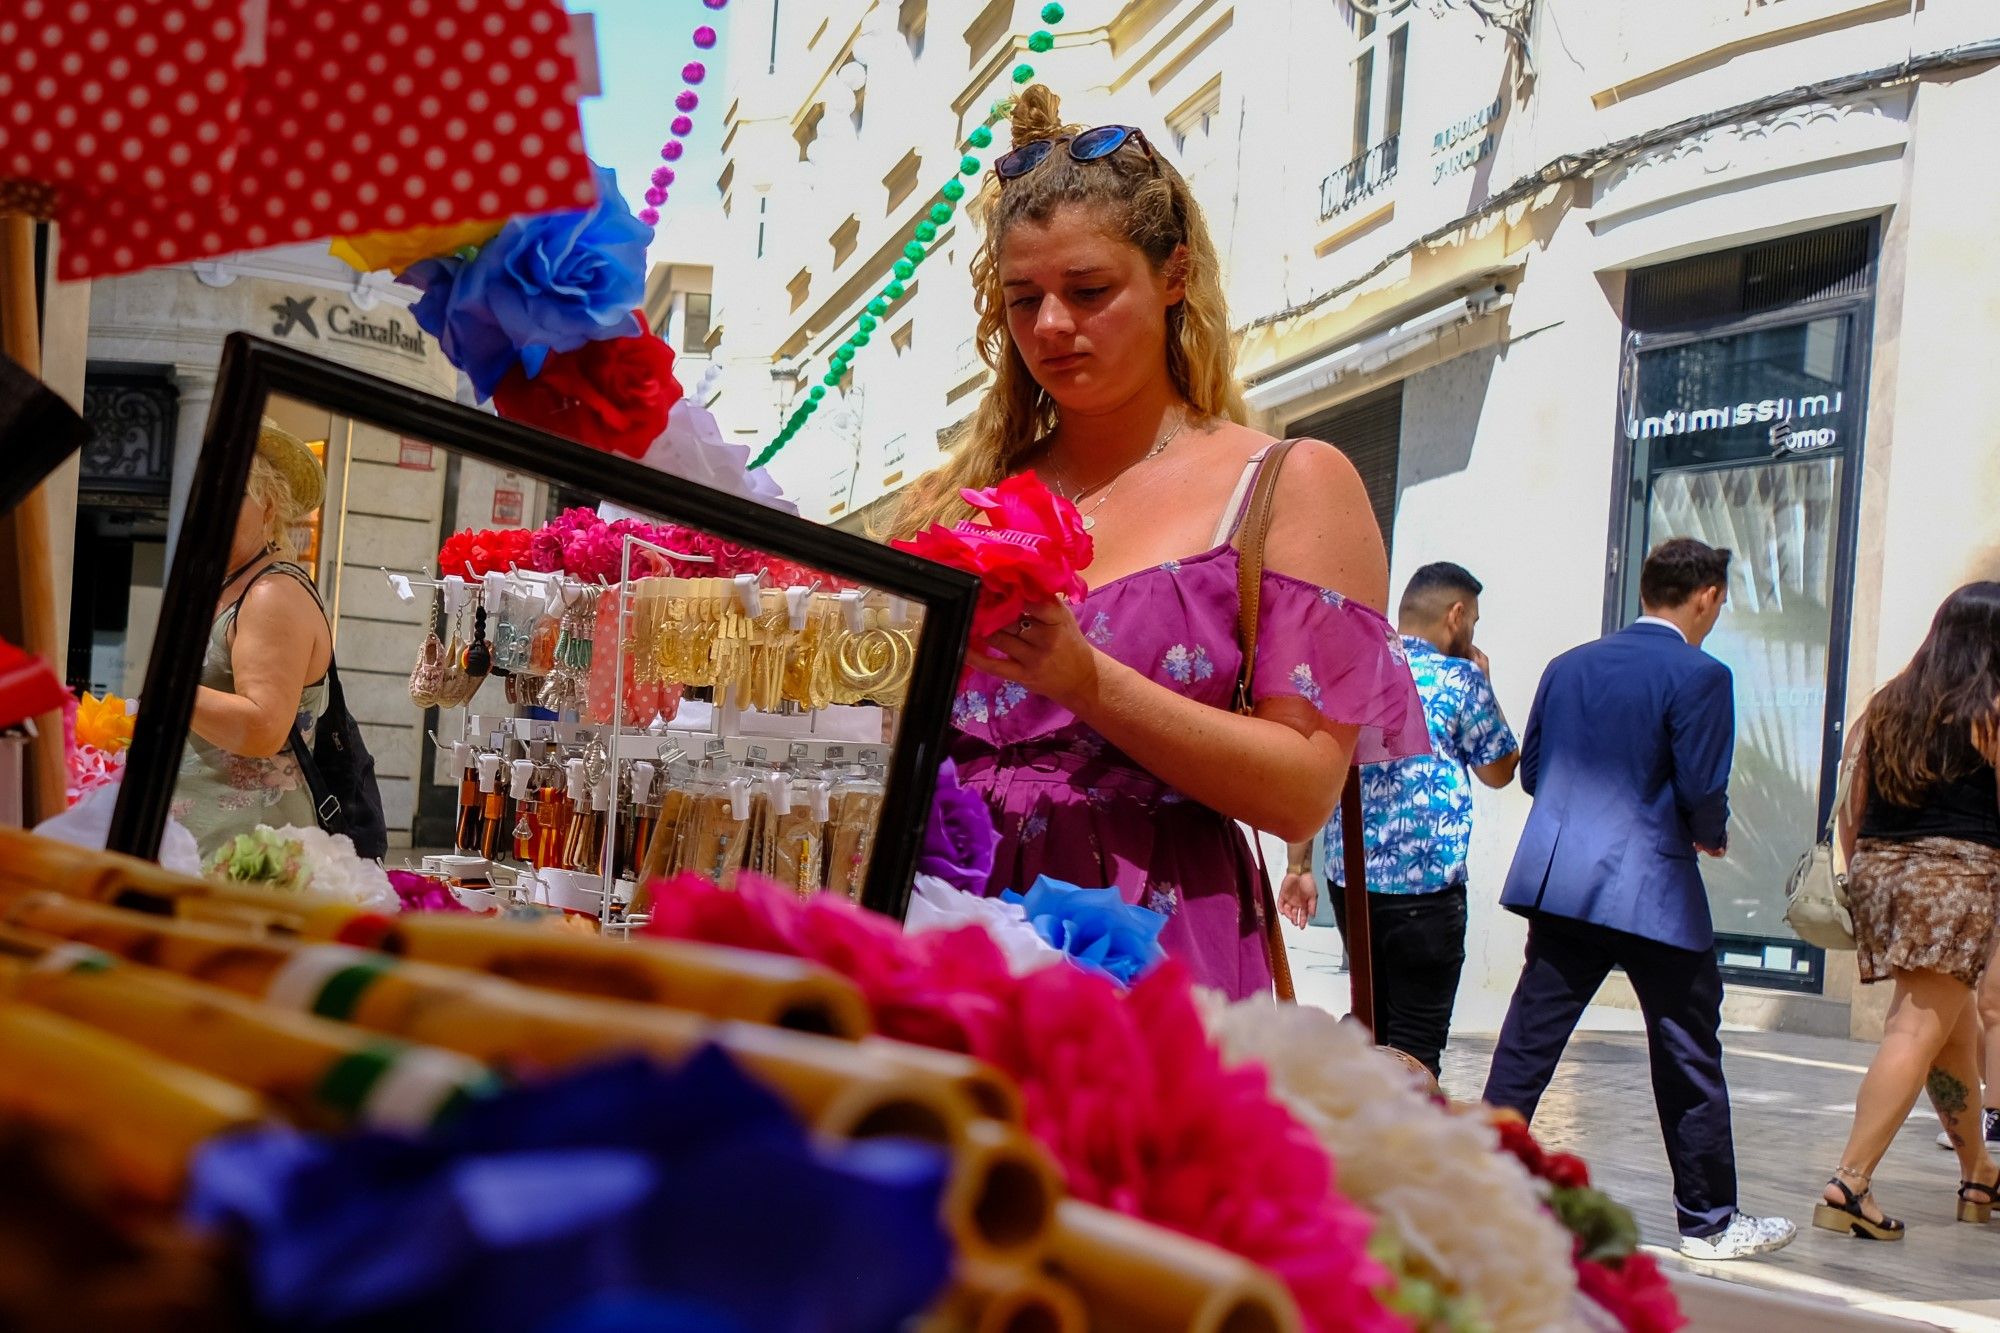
{"x": 1849, "y": 1218}
{"x": 1977, "y": 1210}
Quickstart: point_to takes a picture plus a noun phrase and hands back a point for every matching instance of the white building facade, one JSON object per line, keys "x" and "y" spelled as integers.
{"x": 1565, "y": 278}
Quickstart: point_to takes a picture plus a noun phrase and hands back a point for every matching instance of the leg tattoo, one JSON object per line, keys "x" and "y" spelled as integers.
{"x": 1950, "y": 1097}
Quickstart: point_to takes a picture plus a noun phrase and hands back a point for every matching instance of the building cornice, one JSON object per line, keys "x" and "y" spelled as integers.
{"x": 1573, "y": 167}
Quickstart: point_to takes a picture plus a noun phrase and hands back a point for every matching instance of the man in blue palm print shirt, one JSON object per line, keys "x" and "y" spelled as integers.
{"x": 1418, "y": 817}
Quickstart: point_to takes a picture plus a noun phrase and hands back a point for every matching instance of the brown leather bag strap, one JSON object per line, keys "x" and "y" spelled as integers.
{"x": 1251, "y": 537}
{"x": 1359, "y": 934}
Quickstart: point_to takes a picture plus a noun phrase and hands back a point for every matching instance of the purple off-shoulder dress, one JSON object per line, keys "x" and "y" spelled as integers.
{"x": 1072, "y": 807}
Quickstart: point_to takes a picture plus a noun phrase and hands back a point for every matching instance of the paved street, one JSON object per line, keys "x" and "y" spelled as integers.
{"x": 1792, "y": 1097}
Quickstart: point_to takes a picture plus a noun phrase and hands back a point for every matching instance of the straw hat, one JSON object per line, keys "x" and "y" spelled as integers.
{"x": 295, "y": 463}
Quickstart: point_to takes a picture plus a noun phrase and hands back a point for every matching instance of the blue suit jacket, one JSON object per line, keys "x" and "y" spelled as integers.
{"x": 1627, "y": 755}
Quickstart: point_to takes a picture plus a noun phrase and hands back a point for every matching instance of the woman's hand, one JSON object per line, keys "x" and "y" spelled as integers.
{"x": 1046, "y": 652}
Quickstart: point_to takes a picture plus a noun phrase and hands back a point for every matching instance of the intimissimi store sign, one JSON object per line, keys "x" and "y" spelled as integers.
{"x": 1793, "y": 423}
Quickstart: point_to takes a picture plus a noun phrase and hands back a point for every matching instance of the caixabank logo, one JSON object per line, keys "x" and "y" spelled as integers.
{"x": 295, "y": 317}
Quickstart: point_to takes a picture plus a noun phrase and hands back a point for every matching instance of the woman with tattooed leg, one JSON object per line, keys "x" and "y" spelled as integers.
{"x": 1922, "y": 884}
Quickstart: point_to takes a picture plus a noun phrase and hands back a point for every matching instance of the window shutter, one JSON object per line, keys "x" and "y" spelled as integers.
{"x": 1369, "y": 430}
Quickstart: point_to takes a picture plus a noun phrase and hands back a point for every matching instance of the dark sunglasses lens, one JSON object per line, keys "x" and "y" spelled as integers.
{"x": 1100, "y": 142}
{"x": 1022, "y": 160}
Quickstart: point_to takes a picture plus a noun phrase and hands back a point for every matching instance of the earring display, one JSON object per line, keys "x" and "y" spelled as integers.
{"x": 665, "y": 724}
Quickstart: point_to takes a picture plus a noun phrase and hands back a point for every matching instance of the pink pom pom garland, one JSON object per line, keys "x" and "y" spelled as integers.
{"x": 682, "y": 125}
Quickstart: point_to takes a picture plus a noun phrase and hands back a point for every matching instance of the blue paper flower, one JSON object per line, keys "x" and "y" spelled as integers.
{"x": 1095, "y": 927}
{"x": 669, "y": 1190}
{"x": 549, "y": 282}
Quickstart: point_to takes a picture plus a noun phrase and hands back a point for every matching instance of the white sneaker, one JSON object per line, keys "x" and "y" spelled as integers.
{"x": 1743, "y": 1237}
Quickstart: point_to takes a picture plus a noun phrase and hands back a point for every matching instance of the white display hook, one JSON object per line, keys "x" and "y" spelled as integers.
{"x": 749, "y": 592}
{"x": 405, "y": 585}
{"x": 456, "y": 593}
{"x": 851, "y": 610}
{"x": 494, "y": 586}
{"x": 798, "y": 605}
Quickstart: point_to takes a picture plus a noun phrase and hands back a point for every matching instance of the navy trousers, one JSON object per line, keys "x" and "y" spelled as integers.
{"x": 1680, "y": 992}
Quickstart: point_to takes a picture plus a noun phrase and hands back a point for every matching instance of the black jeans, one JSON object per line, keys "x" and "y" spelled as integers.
{"x": 1418, "y": 947}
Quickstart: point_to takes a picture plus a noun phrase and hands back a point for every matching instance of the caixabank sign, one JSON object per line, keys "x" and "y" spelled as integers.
{"x": 310, "y": 318}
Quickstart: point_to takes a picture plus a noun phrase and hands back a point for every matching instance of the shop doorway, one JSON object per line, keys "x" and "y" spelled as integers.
{"x": 1742, "y": 411}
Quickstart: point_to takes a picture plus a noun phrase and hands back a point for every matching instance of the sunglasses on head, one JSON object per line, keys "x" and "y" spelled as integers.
{"x": 1089, "y": 146}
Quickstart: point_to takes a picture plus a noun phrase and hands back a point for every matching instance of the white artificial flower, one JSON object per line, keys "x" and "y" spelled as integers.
{"x": 1467, "y": 1212}
{"x": 693, "y": 448}
{"x": 338, "y": 871}
{"x": 937, "y": 905}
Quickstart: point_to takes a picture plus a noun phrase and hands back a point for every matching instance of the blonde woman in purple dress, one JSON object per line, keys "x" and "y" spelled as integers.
{"x": 1102, "y": 733}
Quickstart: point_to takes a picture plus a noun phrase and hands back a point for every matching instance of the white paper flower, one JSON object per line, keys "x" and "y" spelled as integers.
{"x": 1468, "y": 1213}
{"x": 338, "y": 871}
{"x": 936, "y": 905}
{"x": 693, "y": 448}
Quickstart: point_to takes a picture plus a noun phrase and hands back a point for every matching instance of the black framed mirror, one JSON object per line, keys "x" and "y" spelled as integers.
{"x": 837, "y": 662}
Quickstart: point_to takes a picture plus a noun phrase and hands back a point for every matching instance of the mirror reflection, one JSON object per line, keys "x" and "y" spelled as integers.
{"x": 524, "y": 692}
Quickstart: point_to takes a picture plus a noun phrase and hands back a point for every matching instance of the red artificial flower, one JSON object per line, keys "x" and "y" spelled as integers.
{"x": 1634, "y": 1292}
{"x": 469, "y": 554}
{"x": 1515, "y": 1139}
{"x": 612, "y": 394}
{"x": 1023, "y": 504}
{"x": 1031, "y": 551}
{"x": 1565, "y": 1171}
{"x": 1561, "y": 1169}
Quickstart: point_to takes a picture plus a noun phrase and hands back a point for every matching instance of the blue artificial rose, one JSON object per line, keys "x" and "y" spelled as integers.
{"x": 548, "y": 282}
{"x": 1095, "y": 927}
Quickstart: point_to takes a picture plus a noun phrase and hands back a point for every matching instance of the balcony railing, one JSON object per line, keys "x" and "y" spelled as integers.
{"x": 1347, "y": 186}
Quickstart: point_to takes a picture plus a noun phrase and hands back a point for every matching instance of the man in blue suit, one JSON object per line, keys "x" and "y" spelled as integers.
{"x": 1627, "y": 755}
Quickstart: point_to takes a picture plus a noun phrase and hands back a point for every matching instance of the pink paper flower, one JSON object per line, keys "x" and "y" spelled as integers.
{"x": 1029, "y": 552}
{"x": 1123, "y": 1088}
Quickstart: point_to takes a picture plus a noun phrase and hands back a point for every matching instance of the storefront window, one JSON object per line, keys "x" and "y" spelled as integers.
{"x": 1742, "y": 435}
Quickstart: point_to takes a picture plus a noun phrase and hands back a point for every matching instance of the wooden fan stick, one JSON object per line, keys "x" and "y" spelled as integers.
{"x": 27, "y": 599}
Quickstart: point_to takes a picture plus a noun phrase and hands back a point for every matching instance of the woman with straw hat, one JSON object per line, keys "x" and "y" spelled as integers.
{"x": 265, "y": 671}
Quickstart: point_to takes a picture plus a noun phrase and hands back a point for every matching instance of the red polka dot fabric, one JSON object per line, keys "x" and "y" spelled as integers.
{"x": 164, "y": 131}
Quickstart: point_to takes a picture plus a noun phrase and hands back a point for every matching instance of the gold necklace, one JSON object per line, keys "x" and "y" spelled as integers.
{"x": 1106, "y": 486}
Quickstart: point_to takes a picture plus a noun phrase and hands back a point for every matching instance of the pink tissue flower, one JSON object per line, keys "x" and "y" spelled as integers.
{"x": 1125, "y": 1089}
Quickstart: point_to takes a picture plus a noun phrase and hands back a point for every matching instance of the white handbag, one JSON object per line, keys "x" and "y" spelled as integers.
{"x": 1816, "y": 895}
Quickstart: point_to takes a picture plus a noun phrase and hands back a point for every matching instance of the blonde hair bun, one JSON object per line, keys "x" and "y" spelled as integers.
{"x": 1036, "y": 115}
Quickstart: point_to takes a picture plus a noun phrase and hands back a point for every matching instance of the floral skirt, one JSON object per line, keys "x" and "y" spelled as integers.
{"x": 1927, "y": 905}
